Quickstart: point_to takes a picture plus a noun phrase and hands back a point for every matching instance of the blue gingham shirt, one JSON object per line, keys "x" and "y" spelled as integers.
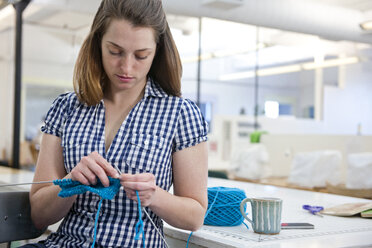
{"x": 156, "y": 127}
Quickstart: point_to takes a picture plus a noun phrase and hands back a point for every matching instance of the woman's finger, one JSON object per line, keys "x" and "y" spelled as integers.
{"x": 106, "y": 166}
{"x": 77, "y": 175}
{"x": 89, "y": 168}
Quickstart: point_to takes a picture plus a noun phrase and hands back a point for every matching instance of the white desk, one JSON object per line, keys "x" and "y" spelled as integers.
{"x": 330, "y": 231}
{"x": 10, "y": 176}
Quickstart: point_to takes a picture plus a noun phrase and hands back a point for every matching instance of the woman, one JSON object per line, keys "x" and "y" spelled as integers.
{"x": 126, "y": 112}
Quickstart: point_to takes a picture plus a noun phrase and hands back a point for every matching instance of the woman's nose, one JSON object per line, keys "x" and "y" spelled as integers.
{"x": 126, "y": 63}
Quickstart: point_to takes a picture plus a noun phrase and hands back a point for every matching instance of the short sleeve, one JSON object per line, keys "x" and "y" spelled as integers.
{"x": 57, "y": 114}
{"x": 192, "y": 128}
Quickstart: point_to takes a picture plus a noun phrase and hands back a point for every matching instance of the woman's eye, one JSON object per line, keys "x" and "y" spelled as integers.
{"x": 141, "y": 57}
{"x": 114, "y": 52}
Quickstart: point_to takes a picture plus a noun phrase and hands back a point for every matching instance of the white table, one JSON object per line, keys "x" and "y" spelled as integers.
{"x": 329, "y": 231}
{"x": 11, "y": 176}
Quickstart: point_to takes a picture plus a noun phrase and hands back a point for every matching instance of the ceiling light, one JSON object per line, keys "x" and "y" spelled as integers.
{"x": 290, "y": 68}
{"x": 236, "y": 76}
{"x": 279, "y": 70}
{"x": 330, "y": 63}
{"x": 222, "y": 53}
{"x": 223, "y": 4}
{"x": 367, "y": 25}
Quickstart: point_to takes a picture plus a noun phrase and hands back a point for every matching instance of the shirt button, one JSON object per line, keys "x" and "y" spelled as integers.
{"x": 71, "y": 142}
{"x": 146, "y": 142}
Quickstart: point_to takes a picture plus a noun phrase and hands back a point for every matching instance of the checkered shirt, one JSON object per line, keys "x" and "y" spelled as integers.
{"x": 156, "y": 127}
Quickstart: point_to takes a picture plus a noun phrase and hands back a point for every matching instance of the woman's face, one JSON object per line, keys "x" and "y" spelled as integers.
{"x": 127, "y": 54}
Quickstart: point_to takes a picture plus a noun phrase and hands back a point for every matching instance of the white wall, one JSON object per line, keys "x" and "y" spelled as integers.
{"x": 345, "y": 108}
{"x": 47, "y": 61}
{"x": 49, "y": 57}
{"x": 6, "y": 107}
{"x": 6, "y": 91}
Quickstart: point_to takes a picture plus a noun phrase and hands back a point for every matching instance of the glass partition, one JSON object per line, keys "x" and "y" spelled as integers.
{"x": 294, "y": 75}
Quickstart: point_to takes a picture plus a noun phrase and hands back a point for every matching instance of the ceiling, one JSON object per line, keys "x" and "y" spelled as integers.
{"x": 285, "y": 22}
{"x": 332, "y": 19}
{"x": 361, "y": 5}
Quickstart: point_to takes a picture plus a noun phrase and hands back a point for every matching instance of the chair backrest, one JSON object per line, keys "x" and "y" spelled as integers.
{"x": 15, "y": 217}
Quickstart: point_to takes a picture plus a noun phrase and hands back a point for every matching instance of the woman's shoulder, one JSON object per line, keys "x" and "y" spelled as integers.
{"x": 188, "y": 104}
{"x": 66, "y": 97}
{"x": 154, "y": 89}
{"x": 66, "y": 102}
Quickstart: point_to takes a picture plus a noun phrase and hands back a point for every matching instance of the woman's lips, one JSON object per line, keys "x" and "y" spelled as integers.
{"x": 124, "y": 78}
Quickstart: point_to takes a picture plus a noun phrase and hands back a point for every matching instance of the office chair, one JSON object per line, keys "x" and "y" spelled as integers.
{"x": 15, "y": 217}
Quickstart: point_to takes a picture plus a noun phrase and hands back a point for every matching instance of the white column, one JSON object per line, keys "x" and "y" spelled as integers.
{"x": 341, "y": 73}
{"x": 318, "y": 89}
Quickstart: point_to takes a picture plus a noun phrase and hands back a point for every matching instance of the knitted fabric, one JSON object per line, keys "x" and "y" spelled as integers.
{"x": 70, "y": 188}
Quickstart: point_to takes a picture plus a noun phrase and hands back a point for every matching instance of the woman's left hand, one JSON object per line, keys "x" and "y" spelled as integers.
{"x": 144, "y": 183}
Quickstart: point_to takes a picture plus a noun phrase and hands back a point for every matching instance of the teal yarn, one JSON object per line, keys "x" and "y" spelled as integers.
{"x": 96, "y": 223}
{"x": 224, "y": 206}
{"x": 70, "y": 188}
{"x": 139, "y": 225}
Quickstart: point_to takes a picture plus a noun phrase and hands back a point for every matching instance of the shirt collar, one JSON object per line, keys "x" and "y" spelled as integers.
{"x": 153, "y": 89}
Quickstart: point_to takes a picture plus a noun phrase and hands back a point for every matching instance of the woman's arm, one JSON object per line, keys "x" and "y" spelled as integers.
{"x": 46, "y": 207}
{"x": 186, "y": 208}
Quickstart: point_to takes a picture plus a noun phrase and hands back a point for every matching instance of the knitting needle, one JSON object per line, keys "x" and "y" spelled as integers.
{"x": 41, "y": 182}
{"x": 17, "y": 184}
{"x": 116, "y": 167}
{"x": 148, "y": 216}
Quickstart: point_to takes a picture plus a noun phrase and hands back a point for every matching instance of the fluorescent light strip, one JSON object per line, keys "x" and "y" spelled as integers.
{"x": 330, "y": 63}
{"x": 221, "y": 54}
{"x": 290, "y": 68}
{"x": 279, "y": 70}
{"x": 366, "y": 25}
{"x": 238, "y": 75}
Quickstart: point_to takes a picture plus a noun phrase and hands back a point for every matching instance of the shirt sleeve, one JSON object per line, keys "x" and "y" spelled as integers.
{"x": 192, "y": 127}
{"x": 57, "y": 114}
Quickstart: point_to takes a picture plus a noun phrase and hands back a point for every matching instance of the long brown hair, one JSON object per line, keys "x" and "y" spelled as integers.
{"x": 166, "y": 69}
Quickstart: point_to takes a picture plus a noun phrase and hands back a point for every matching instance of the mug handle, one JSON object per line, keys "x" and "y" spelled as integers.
{"x": 242, "y": 203}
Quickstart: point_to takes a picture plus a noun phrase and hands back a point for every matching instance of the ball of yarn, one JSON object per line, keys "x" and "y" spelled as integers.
{"x": 224, "y": 206}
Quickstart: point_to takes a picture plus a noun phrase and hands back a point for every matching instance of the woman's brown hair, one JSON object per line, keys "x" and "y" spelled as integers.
{"x": 166, "y": 69}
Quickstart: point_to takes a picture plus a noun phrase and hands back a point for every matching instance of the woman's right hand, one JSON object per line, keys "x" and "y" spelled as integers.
{"x": 92, "y": 166}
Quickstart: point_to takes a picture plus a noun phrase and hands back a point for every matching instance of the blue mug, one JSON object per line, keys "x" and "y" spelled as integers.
{"x": 266, "y": 214}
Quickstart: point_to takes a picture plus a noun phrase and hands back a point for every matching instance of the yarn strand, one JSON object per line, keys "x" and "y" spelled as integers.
{"x": 96, "y": 223}
{"x": 206, "y": 214}
{"x": 139, "y": 225}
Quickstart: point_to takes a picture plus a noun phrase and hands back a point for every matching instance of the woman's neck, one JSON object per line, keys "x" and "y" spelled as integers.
{"x": 124, "y": 98}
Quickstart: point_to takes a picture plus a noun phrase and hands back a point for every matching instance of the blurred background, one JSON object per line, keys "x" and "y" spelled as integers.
{"x": 274, "y": 79}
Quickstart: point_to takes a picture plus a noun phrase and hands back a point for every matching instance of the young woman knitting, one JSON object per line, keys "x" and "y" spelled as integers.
{"x": 126, "y": 112}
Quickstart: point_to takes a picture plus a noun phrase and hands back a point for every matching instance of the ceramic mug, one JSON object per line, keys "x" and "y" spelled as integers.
{"x": 266, "y": 214}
